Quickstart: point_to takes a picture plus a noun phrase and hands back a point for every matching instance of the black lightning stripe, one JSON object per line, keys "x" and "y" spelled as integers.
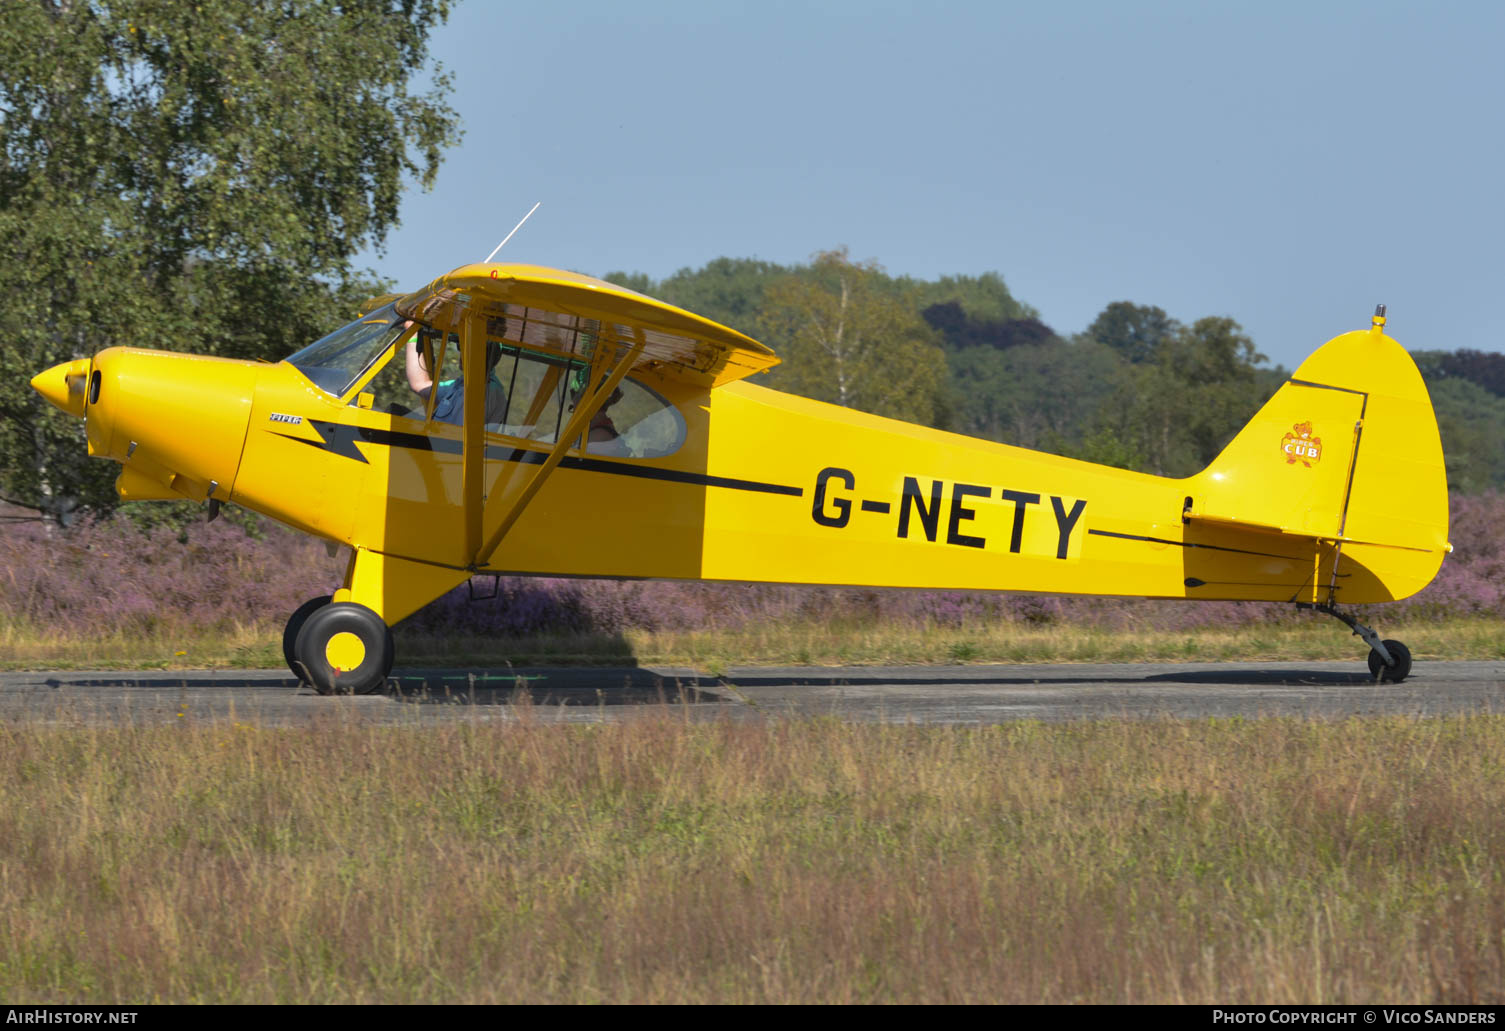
{"x": 340, "y": 439}
{"x": 336, "y": 438}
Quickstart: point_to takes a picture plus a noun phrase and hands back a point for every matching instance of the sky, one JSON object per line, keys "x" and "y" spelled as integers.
{"x": 1286, "y": 164}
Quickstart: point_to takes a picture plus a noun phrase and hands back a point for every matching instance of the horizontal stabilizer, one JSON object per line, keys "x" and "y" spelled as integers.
{"x": 1239, "y": 524}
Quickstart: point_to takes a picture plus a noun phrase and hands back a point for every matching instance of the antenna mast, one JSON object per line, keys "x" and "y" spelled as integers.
{"x": 514, "y": 230}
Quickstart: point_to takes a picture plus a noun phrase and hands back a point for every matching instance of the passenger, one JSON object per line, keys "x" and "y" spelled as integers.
{"x": 603, "y": 438}
{"x": 449, "y": 398}
{"x": 602, "y": 428}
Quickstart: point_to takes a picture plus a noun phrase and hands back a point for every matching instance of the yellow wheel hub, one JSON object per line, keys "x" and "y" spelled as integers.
{"x": 345, "y": 652}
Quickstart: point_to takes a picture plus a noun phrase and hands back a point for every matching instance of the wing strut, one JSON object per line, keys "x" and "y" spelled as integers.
{"x": 473, "y": 453}
{"x": 585, "y": 410}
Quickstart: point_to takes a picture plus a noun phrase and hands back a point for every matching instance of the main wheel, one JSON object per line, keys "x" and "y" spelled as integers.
{"x": 345, "y": 649}
{"x": 294, "y": 624}
{"x": 1391, "y": 674}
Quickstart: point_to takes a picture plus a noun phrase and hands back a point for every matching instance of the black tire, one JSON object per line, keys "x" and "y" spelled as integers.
{"x": 294, "y": 624}
{"x": 344, "y": 633}
{"x": 1391, "y": 674}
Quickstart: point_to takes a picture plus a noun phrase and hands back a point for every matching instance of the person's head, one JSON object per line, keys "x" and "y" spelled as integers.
{"x": 493, "y": 355}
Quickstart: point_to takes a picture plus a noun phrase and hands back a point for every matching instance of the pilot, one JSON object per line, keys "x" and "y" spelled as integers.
{"x": 449, "y": 399}
{"x": 602, "y": 438}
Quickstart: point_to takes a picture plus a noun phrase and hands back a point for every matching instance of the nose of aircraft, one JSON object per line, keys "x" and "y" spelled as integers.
{"x": 174, "y": 418}
{"x": 65, "y": 385}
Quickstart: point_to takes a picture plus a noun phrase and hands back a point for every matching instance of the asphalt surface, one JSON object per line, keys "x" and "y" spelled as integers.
{"x": 920, "y": 694}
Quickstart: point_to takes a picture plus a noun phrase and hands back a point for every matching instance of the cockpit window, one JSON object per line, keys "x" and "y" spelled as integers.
{"x": 531, "y": 393}
{"x": 542, "y": 390}
{"x": 335, "y": 361}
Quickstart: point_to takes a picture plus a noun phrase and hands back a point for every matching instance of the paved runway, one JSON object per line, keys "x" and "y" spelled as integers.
{"x": 922, "y": 694}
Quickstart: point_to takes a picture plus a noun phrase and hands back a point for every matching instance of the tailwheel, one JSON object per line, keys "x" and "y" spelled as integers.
{"x": 294, "y": 624}
{"x": 1389, "y": 661}
{"x": 1400, "y": 654}
{"x": 344, "y": 648}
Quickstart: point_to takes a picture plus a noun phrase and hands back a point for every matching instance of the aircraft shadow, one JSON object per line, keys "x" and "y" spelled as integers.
{"x": 575, "y": 688}
{"x": 640, "y": 686}
{"x": 447, "y": 687}
{"x": 187, "y": 681}
{"x": 1255, "y": 677}
{"x": 1250, "y": 678}
{"x": 585, "y": 686}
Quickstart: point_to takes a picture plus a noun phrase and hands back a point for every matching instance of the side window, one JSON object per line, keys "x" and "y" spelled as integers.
{"x": 537, "y": 394}
{"x": 541, "y": 391}
{"x": 532, "y": 396}
{"x": 502, "y": 361}
{"x": 636, "y": 423}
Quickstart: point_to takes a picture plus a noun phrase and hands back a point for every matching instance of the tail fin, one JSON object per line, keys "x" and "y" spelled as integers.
{"x": 1346, "y": 451}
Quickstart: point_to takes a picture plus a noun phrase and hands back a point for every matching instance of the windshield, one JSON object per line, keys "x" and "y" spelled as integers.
{"x": 334, "y": 361}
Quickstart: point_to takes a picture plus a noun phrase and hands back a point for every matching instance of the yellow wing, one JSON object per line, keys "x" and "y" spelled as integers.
{"x": 555, "y": 311}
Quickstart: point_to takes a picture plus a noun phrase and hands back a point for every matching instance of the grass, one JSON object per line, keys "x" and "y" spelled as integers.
{"x": 785, "y": 861}
{"x": 775, "y": 643}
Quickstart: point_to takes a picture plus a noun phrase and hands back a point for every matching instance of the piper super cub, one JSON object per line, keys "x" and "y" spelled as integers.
{"x": 528, "y": 421}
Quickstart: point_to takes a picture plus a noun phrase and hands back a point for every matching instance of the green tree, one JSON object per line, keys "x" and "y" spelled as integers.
{"x": 846, "y": 338}
{"x": 1471, "y": 421}
{"x": 1481, "y": 367}
{"x": 1211, "y": 350}
{"x": 639, "y": 281}
{"x": 1137, "y": 332}
{"x": 984, "y": 297}
{"x": 1180, "y": 404}
{"x": 728, "y": 290}
{"x": 1105, "y": 447}
{"x": 1041, "y": 396}
{"x": 196, "y": 176}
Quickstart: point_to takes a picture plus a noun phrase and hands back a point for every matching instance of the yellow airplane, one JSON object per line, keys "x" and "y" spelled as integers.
{"x": 618, "y": 436}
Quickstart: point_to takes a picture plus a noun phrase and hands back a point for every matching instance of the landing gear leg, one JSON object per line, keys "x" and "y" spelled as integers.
{"x": 1389, "y": 661}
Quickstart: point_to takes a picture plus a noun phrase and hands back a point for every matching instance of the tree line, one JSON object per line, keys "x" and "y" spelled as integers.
{"x": 1136, "y": 389}
{"x": 200, "y": 177}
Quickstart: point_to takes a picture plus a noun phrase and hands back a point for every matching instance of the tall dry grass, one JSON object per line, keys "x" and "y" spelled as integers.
{"x": 662, "y": 860}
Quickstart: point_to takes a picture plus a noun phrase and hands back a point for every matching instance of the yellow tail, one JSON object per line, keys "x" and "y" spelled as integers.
{"x": 1346, "y": 452}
